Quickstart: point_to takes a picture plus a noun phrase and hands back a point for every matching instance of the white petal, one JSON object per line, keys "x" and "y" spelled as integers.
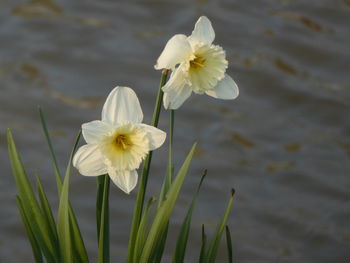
{"x": 125, "y": 180}
{"x": 156, "y": 137}
{"x": 89, "y": 160}
{"x": 176, "y": 90}
{"x": 95, "y": 131}
{"x": 226, "y": 89}
{"x": 176, "y": 50}
{"x": 122, "y": 106}
{"x": 203, "y": 31}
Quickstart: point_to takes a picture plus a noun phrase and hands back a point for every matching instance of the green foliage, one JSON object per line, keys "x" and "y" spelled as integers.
{"x": 62, "y": 242}
{"x": 79, "y": 251}
{"x": 39, "y": 226}
{"x": 179, "y": 253}
{"x": 211, "y": 252}
{"x": 229, "y": 245}
{"x": 33, "y": 242}
{"x": 163, "y": 213}
{"x": 59, "y": 242}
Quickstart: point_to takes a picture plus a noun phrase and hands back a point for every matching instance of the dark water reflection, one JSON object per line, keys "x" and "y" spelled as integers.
{"x": 284, "y": 144}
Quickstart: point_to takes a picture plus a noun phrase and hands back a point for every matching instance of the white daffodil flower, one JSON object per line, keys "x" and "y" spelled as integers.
{"x": 197, "y": 66}
{"x": 119, "y": 142}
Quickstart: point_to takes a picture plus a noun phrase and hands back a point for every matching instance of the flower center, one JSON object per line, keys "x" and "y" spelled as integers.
{"x": 197, "y": 62}
{"x": 123, "y": 142}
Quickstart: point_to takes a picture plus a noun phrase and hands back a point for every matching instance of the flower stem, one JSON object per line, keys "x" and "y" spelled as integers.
{"x": 170, "y": 168}
{"x": 102, "y": 218}
{"x": 170, "y": 157}
{"x": 145, "y": 171}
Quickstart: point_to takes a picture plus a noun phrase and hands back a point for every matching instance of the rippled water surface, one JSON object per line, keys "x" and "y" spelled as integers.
{"x": 284, "y": 144}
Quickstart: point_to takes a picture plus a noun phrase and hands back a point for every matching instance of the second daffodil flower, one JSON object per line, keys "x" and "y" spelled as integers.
{"x": 197, "y": 66}
{"x": 119, "y": 142}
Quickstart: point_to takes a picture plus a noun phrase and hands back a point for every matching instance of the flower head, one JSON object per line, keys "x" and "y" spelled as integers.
{"x": 197, "y": 66}
{"x": 119, "y": 142}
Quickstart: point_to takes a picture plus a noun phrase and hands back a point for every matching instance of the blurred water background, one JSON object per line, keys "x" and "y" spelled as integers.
{"x": 284, "y": 144}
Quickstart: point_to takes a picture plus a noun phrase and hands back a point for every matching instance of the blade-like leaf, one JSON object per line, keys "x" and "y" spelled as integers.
{"x": 80, "y": 254}
{"x": 214, "y": 245}
{"x": 79, "y": 250}
{"x": 142, "y": 232}
{"x": 64, "y": 221}
{"x": 34, "y": 244}
{"x": 229, "y": 245}
{"x": 163, "y": 213}
{"x": 52, "y": 152}
{"x": 63, "y": 224}
{"x": 160, "y": 245}
{"x": 203, "y": 246}
{"x": 30, "y": 205}
{"x": 103, "y": 243}
{"x": 46, "y": 208}
{"x": 179, "y": 253}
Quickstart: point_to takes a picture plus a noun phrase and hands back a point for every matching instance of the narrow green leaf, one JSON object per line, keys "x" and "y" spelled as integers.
{"x": 229, "y": 245}
{"x": 64, "y": 220}
{"x": 52, "y": 152}
{"x": 203, "y": 246}
{"x": 140, "y": 199}
{"x": 214, "y": 245}
{"x": 63, "y": 224}
{"x": 79, "y": 250}
{"x": 142, "y": 232}
{"x": 46, "y": 208}
{"x": 103, "y": 244}
{"x": 34, "y": 244}
{"x": 163, "y": 213}
{"x": 80, "y": 254}
{"x": 180, "y": 249}
{"x": 156, "y": 257}
{"x": 32, "y": 210}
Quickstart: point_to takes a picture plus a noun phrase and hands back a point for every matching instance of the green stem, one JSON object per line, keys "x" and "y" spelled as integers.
{"x": 99, "y": 199}
{"x": 170, "y": 158}
{"x": 145, "y": 171}
{"x": 170, "y": 168}
{"x": 103, "y": 218}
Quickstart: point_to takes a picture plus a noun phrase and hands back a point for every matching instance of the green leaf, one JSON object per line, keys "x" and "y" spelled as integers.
{"x": 35, "y": 217}
{"x": 140, "y": 199}
{"x": 163, "y": 213}
{"x": 160, "y": 245}
{"x": 142, "y": 232}
{"x": 214, "y": 245}
{"x": 79, "y": 251}
{"x": 179, "y": 253}
{"x": 103, "y": 244}
{"x": 63, "y": 224}
{"x": 80, "y": 254}
{"x": 46, "y": 208}
{"x": 34, "y": 244}
{"x": 229, "y": 245}
{"x": 64, "y": 220}
{"x": 52, "y": 152}
{"x": 203, "y": 246}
